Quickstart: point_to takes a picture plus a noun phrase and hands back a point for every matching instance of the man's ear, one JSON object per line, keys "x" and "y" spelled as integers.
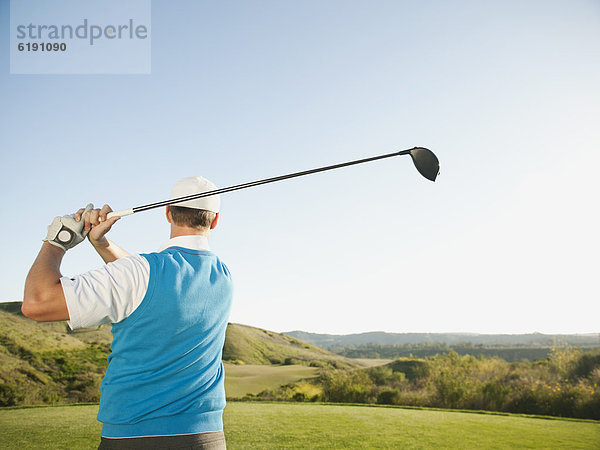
{"x": 169, "y": 215}
{"x": 214, "y": 222}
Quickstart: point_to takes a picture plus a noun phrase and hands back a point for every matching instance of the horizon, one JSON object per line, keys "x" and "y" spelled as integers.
{"x": 470, "y": 333}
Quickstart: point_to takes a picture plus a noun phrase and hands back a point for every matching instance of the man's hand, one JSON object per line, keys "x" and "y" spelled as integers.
{"x": 96, "y": 224}
{"x": 67, "y": 231}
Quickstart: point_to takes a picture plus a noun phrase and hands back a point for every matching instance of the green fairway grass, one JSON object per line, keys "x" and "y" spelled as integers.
{"x": 332, "y": 426}
{"x": 305, "y": 425}
{"x": 244, "y": 379}
{"x": 59, "y": 427}
{"x": 372, "y": 362}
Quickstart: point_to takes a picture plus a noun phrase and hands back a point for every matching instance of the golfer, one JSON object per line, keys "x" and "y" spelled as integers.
{"x": 169, "y": 311}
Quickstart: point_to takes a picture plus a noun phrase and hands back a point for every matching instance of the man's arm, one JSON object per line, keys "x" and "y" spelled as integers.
{"x": 108, "y": 250}
{"x": 44, "y": 299}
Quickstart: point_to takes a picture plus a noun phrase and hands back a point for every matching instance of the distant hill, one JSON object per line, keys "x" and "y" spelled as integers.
{"x": 337, "y": 341}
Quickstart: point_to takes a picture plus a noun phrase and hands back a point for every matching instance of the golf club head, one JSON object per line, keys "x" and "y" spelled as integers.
{"x": 426, "y": 162}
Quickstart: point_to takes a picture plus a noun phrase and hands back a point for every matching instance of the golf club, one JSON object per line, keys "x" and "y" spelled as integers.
{"x": 425, "y": 161}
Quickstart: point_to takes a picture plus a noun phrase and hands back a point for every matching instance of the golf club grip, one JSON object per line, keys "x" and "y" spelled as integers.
{"x": 121, "y": 213}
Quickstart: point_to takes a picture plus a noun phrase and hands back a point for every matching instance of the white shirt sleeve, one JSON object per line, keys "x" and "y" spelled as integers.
{"x": 108, "y": 294}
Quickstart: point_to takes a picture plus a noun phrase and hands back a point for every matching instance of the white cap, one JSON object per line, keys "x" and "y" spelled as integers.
{"x": 196, "y": 185}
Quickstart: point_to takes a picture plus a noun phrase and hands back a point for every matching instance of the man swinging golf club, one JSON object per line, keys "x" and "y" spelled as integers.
{"x": 169, "y": 310}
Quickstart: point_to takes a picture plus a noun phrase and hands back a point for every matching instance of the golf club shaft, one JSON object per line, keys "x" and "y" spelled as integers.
{"x": 126, "y": 212}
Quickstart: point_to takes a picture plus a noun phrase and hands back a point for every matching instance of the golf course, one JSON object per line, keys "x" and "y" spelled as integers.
{"x": 252, "y": 379}
{"x": 321, "y": 224}
{"x": 44, "y": 365}
{"x": 301, "y": 425}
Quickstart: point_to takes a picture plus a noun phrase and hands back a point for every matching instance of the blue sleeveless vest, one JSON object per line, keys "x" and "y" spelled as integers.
{"x": 165, "y": 373}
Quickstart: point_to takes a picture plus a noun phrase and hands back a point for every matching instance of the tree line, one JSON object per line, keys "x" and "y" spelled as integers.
{"x": 509, "y": 353}
{"x": 566, "y": 384}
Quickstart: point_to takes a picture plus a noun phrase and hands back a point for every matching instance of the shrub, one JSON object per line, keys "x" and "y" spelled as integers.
{"x": 564, "y": 360}
{"x": 389, "y": 397}
{"x": 299, "y": 397}
{"x": 590, "y": 408}
{"x": 9, "y": 395}
{"x": 385, "y": 376}
{"x": 452, "y": 378}
{"x": 495, "y": 393}
{"x": 347, "y": 386}
{"x": 585, "y": 366}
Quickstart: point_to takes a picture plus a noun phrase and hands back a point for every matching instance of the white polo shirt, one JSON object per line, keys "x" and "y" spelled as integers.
{"x": 111, "y": 293}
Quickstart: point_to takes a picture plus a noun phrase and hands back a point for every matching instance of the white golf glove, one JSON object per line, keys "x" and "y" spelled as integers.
{"x": 65, "y": 232}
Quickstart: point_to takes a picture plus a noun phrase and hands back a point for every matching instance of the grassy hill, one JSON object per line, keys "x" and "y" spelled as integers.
{"x": 249, "y": 345}
{"x": 43, "y": 363}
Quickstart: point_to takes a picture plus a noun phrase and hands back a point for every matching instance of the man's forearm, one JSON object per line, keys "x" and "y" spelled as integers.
{"x": 43, "y": 298}
{"x": 109, "y": 251}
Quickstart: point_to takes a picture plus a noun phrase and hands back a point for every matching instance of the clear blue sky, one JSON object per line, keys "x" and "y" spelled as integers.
{"x": 506, "y": 93}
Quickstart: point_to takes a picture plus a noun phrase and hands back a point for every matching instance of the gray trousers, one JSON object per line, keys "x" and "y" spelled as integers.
{"x": 200, "y": 441}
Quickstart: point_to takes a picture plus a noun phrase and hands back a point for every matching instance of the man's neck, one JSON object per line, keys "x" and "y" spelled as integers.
{"x": 177, "y": 230}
